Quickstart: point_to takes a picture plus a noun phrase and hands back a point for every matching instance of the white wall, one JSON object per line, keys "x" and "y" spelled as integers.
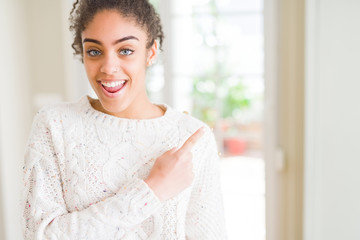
{"x": 332, "y": 166}
{"x": 46, "y": 55}
{"x": 36, "y": 68}
{"x": 14, "y": 111}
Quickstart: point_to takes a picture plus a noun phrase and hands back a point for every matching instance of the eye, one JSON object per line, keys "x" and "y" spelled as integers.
{"x": 93, "y": 53}
{"x": 126, "y": 52}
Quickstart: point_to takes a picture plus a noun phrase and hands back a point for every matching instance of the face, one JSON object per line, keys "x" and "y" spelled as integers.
{"x": 115, "y": 59}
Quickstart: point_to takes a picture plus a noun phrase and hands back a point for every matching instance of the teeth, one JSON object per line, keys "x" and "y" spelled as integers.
{"x": 113, "y": 84}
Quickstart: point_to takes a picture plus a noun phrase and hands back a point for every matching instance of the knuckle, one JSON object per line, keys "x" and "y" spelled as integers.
{"x": 177, "y": 157}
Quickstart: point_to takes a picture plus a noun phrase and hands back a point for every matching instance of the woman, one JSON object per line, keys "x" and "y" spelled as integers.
{"x": 120, "y": 167}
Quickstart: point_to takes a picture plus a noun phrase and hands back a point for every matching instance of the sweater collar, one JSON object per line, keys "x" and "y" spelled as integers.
{"x": 169, "y": 116}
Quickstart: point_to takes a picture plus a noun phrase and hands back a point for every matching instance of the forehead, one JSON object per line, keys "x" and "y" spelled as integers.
{"x": 109, "y": 25}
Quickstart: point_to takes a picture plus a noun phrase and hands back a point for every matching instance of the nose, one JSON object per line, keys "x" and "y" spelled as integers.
{"x": 110, "y": 64}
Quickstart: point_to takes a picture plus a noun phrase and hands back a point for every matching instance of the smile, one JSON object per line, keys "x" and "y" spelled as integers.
{"x": 112, "y": 88}
{"x": 113, "y": 84}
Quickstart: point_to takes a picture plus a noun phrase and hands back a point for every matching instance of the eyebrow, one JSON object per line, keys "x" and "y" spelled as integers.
{"x": 115, "y": 42}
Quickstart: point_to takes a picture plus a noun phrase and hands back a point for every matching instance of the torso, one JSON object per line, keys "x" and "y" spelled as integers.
{"x": 100, "y": 153}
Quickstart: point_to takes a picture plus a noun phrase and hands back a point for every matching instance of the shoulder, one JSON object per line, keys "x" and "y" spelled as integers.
{"x": 187, "y": 122}
{"x": 58, "y": 111}
{"x": 52, "y": 119}
{"x": 49, "y": 123}
{"x": 205, "y": 151}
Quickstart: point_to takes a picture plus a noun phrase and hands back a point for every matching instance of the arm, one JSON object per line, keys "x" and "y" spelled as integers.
{"x": 45, "y": 215}
{"x": 205, "y": 215}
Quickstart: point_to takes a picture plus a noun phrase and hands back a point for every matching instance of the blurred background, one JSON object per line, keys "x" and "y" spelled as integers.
{"x": 277, "y": 80}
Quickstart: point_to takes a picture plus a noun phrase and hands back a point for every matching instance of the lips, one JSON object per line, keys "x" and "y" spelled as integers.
{"x": 112, "y": 88}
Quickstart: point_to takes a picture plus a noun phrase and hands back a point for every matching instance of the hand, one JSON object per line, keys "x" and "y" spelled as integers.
{"x": 172, "y": 171}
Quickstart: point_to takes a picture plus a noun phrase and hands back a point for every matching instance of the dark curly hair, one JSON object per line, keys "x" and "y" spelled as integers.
{"x": 141, "y": 11}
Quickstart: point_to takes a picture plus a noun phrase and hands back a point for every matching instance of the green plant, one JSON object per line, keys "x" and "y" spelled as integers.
{"x": 216, "y": 88}
{"x": 227, "y": 96}
{"x": 236, "y": 99}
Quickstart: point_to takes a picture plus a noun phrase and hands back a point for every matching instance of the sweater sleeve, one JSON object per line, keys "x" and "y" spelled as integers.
{"x": 45, "y": 215}
{"x": 205, "y": 215}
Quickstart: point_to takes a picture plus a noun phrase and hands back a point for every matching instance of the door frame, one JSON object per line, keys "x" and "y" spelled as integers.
{"x": 284, "y": 117}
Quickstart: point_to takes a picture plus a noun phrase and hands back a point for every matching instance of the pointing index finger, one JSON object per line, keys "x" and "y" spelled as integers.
{"x": 191, "y": 141}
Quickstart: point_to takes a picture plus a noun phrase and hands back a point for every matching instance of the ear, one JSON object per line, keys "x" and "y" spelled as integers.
{"x": 152, "y": 52}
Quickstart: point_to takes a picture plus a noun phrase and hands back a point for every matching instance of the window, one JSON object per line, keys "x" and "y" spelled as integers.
{"x": 215, "y": 59}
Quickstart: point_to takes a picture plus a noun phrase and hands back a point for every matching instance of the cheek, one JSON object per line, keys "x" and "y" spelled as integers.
{"x": 90, "y": 68}
{"x": 136, "y": 69}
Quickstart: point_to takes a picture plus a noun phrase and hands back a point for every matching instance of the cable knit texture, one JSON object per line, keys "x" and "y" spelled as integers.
{"x": 84, "y": 173}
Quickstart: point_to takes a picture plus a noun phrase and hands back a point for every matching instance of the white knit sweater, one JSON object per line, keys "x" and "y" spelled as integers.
{"x": 84, "y": 172}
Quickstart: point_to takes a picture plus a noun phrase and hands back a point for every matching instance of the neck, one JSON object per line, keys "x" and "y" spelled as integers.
{"x": 145, "y": 110}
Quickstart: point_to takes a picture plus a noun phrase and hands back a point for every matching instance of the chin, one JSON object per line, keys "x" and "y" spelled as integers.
{"x": 113, "y": 107}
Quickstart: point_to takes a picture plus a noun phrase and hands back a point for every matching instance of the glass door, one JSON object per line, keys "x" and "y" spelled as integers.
{"x": 216, "y": 59}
